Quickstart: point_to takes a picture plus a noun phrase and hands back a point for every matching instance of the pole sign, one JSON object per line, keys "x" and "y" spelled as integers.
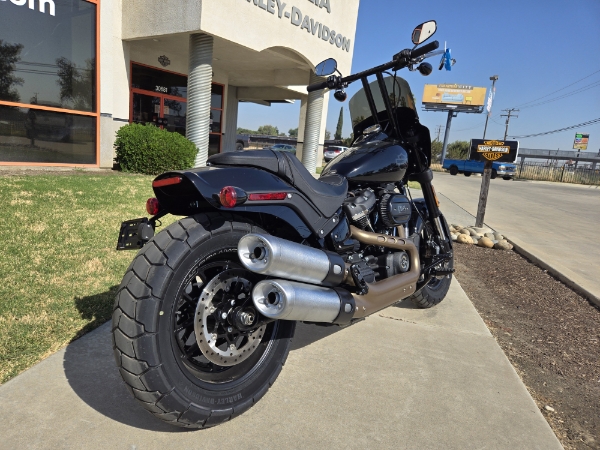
{"x": 581, "y": 141}
{"x": 490, "y": 150}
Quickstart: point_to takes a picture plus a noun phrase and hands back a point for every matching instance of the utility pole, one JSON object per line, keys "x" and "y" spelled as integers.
{"x": 438, "y": 131}
{"x": 494, "y": 78}
{"x": 508, "y": 116}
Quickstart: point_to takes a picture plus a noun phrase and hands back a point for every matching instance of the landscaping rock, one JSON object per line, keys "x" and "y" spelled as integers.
{"x": 485, "y": 242}
{"x": 454, "y": 237}
{"x": 549, "y": 408}
{"x": 465, "y": 232}
{"x": 498, "y": 236}
{"x": 464, "y": 239}
{"x": 473, "y": 232}
{"x": 482, "y": 230}
{"x": 456, "y": 226}
{"x": 502, "y": 245}
{"x": 490, "y": 235}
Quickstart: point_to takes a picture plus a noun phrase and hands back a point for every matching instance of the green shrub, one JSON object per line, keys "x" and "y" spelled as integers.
{"x": 149, "y": 150}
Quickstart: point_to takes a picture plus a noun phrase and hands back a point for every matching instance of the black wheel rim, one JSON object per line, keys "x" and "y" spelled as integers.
{"x": 187, "y": 352}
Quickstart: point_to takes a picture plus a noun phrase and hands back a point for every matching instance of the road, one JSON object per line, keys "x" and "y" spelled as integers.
{"x": 559, "y": 222}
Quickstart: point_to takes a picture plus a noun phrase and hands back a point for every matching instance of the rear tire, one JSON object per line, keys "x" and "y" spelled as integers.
{"x": 239, "y": 147}
{"x": 467, "y": 174}
{"x": 155, "y": 315}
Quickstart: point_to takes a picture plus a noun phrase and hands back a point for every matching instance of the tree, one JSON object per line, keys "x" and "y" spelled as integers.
{"x": 458, "y": 150}
{"x": 293, "y": 132}
{"x": 9, "y": 57}
{"x": 268, "y": 130}
{"x": 327, "y": 135}
{"x": 76, "y": 85}
{"x": 246, "y": 131}
{"x": 340, "y": 125}
{"x": 348, "y": 141}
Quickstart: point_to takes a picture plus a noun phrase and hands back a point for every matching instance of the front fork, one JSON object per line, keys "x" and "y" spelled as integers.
{"x": 433, "y": 205}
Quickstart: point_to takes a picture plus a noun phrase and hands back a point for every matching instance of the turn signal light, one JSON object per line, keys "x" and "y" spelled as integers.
{"x": 228, "y": 197}
{"x": 267, "y": 196}
{"x": 152, "y": 206}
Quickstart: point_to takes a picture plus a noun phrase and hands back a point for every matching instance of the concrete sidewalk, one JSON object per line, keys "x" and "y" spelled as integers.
{"x": 404, "y": 378}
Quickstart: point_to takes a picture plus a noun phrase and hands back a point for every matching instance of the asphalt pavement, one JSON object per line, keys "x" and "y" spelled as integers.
{"x": 555, "y": 222}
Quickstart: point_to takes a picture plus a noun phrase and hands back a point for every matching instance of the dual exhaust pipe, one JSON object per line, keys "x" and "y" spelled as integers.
{"x": 309, "y": 289}
{"x": 296, "y": 300}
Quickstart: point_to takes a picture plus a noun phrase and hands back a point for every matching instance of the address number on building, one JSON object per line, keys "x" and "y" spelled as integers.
{"x": 162, "y": 89}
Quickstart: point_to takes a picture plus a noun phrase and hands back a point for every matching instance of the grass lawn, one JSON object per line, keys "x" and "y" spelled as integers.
{"x": 58, "y": 263}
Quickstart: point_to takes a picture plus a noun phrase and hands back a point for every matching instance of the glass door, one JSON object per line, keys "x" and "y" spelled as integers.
{"x": 146, "y": 109}
{"x": 174, "y": 115}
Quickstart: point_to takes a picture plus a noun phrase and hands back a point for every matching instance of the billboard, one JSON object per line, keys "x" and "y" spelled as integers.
{"x": 454, "y": 94}
{"x": 581, "y": 141}
{"x": 491, "y": 150}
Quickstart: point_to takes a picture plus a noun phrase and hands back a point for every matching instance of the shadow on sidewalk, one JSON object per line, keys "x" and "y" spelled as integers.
{"x": 91, "y": 371}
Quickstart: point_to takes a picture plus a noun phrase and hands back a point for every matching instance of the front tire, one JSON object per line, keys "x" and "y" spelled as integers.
{"x": 453, "y": 170}
{"x": 155, "y": 338}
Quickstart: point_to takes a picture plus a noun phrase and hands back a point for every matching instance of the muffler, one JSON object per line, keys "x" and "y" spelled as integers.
{"x": 289, "y": 300}
{"x": 276, "y": 257}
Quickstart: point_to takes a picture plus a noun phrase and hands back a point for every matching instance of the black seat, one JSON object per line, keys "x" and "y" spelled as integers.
{"x": 326, "y": 193}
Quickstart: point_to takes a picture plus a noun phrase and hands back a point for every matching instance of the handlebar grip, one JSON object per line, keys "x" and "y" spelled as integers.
{"x": 316, "y": 86}
{"x": 425, "y": 49}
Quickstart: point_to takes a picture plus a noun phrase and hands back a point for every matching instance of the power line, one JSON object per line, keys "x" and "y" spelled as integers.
{"x": 589, "y": 122}
{"x": 561, "y": 89}
{"x": 577, "y": 91}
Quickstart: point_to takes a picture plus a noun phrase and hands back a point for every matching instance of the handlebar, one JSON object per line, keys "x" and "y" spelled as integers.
{"x": 382, "y": 68}
{"x": 425, "y": 49}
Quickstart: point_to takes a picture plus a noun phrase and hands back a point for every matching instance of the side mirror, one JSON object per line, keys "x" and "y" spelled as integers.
{"x": 423, "y": 32}
{"x": 326, "y": 68}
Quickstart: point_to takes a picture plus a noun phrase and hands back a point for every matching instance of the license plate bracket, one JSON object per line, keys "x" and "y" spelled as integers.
{"x": 134, "y": 234}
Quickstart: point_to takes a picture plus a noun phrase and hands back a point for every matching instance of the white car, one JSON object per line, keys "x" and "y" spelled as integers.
{"x": 332, "y": 152}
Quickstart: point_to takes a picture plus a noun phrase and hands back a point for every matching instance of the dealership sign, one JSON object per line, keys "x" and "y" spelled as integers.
{"x": 31, "y": 3}
{"x": 489, "y": 150}
{"x": 304, "y": 21}
{"x": 454, "y": 94}
{"x": 581, "y": 141}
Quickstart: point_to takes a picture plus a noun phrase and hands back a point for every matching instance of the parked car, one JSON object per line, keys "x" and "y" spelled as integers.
{"x": 466, "y": 166}
{"x": 332, "y": 152}
{"x": 282, "y": 148}
{"x": 242, "y": 142}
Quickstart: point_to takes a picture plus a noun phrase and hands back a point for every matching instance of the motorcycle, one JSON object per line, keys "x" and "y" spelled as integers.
{"x": 206, "y": 312}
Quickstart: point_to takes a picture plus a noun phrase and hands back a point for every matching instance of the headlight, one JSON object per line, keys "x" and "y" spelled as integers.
{"x": 502, "y": 168}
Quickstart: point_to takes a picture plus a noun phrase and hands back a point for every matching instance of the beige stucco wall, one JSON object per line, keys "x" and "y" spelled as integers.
{"x": 257, "y": 25}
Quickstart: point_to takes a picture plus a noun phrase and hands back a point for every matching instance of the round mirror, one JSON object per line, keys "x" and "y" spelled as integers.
{"x": 423, "y": 32}
{"x": 326, "y": 68}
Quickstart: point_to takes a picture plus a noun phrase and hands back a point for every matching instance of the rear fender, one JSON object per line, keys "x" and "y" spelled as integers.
{"x": 199, "y": 191}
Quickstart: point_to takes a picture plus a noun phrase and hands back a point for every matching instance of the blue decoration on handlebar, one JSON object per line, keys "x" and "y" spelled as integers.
{"x": 447, "y": 60}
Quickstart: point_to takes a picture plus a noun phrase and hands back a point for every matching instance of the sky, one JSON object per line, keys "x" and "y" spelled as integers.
{"x": 535, "y": 48}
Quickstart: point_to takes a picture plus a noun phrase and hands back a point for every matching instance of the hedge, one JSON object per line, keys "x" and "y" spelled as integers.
{"x": 150, "y": 150}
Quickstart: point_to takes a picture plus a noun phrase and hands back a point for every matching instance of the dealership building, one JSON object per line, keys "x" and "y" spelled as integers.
{"x": 72, "y": 72}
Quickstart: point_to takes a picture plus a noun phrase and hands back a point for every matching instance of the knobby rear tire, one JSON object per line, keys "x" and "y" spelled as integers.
{"x": 144, "y": 345}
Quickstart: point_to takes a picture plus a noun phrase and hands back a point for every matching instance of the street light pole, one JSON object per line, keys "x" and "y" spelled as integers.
{"x": 494, "y": 79}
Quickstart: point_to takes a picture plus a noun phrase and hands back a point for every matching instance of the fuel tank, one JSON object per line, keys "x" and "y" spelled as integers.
{"x": 372, "y": 162}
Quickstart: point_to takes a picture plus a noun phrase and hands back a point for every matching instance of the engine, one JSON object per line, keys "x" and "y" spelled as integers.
{"x": 382, "y": 212}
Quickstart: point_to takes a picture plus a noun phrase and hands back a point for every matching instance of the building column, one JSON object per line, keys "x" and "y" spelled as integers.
{"x": 199, "y": 94}
{"x": 231, "y": 119}
{"x": 312, "y": 126}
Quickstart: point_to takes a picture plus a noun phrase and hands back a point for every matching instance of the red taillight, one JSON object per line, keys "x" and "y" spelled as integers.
{"x": 166, "y": 182}
{"x": 152, "y": 206}
{"x": 267, "y": 196}
{"x": 228, "y": 197}
{"x": 338, "y": 151}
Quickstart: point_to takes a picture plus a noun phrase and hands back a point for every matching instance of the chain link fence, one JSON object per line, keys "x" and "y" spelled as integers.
{"x": 563, "y": 174}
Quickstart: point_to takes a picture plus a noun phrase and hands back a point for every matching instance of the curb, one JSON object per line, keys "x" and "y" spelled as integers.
{"x": 518, "y": 247}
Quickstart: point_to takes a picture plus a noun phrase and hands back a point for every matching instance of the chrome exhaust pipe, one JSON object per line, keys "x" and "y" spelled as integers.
{"x": 289, "y": 300}
{"x": 276, "y": 257}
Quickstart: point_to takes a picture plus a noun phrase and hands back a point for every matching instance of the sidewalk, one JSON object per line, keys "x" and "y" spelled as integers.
{"x": 404, "y": 378}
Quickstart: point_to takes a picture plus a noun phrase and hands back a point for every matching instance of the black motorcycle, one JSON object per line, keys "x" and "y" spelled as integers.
{"x": 205, "y": 314}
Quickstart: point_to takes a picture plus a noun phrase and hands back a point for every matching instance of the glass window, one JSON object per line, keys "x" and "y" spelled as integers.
{"x": 216, "y": 100}
{"x": 34, "y": 135}
{"x": 156, "y": 80}
{"x": 48, "y": 52}
{"x": 214, "y": 144}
